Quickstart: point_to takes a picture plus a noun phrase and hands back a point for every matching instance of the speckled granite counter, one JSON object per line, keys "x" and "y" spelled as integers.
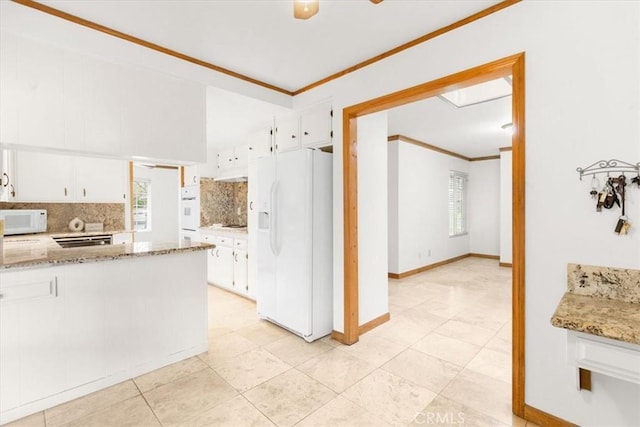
{"x": 601, "y": 301}
{"x": 239, "y": 231}
{"x": 30, "y": 251}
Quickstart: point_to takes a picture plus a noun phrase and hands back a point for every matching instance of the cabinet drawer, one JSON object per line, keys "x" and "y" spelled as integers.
{"x": 33, "y": 289}
{"x": 224, "y": 241}
{"x": 240, "y": 244}
{"x": 208, "y": 238}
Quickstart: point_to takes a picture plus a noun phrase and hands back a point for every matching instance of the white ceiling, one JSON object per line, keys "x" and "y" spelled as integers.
{"x": 472, "y": 131}
{"x": 261, "y": 39}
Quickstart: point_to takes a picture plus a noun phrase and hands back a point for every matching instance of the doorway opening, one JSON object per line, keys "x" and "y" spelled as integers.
{"x": 511, "y": 66}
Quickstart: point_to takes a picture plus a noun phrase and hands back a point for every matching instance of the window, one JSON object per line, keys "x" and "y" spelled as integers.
{"x": 141, "y": 205}
{"x": 457, "y": 203}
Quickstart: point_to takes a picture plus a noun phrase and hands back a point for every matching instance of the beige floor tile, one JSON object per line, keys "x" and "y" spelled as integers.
{"x": 294, "y": 350}
{"x": 173, "y": 403}
{"x": 445, "y": 348}
{"x": 225, "y": 347}
{"x": 330, "y": 341}
{"x": 169, "y": 373}
{"x": 406, "y": 301}
{"x": 492, "y": 363}
{"x": 35, "y": 420}
{"x": 132, "y": 412}
{"x": 443, "y": 412}
{"x": 401, "y": 330}
{"x": 427, "y": 320}
{"x": 375, "y": 350}
{"x": 251, "y": 368}
{"x": 389, "y": 397}
{"x": 90, "y": 403}
{"x": 289, "y": 397}
{"x": 341, "y": 412}
{"x": 263, "y": 332}
{"x": 421, "y": 369}
{"x": 217, "y": 332}
{"x": 506, "y": 332}
{"x": 234, "y": 413}
{"x": 484, "y": 394}
{"x": 498, "y": 344}
{"x": 336, "y": 369}
{"x": 466, "y": 332}
{"x": 488, "y": 318}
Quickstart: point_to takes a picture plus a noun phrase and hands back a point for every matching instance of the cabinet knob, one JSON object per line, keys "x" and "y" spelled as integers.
{"x": 293, "y": 136}
{"x": 65, "y": 191}
{"x": 306, "y": 133}
{"x": 251, "y": 205}
{"x": 84, "y": 192}
{"x": 194, "y": 179}
{"x": 13, "y": 191}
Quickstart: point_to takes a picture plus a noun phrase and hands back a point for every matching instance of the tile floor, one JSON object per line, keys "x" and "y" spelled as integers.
{"x": 442, "y": 359}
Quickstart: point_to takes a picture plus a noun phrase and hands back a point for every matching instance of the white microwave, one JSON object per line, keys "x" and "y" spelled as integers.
{"x": 24, "y": 221}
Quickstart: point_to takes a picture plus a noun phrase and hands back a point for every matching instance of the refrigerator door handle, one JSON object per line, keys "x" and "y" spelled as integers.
{"x": 272, "y": 219}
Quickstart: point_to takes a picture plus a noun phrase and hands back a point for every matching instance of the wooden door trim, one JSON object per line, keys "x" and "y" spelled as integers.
{"x": 512, "y": 65}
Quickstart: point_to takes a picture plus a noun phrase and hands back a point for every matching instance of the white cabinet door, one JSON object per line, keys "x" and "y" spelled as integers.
{"x": 226, "y": 159}
{"x": 42, "y": 177}
{"x": 211, "y": 265}
{"x": 240, "y": 271}
{"x": 9, "y": 88}
{"x": 39, "y": 329}
{"x": 315, "y": 126}
{"x": 101, "y": 114}
{"x": 9, "y": 356}
{"x": 287, "y": 134}
{"x": 6, "y": 175}
{"x": 100, "y": 180}
{"x": 224, "y": 264}
{"x": 191, "y": 175}
{"x": 241, "y": 153}
{"x": 260, "y": 143}
{"x": 41, "y": 96}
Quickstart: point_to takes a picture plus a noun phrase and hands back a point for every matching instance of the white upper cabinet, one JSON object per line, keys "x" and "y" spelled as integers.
{"x": 40, "y": 103}
{"x": 191, "y": 175}
{"x": 9, "y": 93}
{"x": 287, "y": 134}
{"x": 59, "y": 99}
{"x": 100, "y": 180}
{"x": 42, "y": 177}
{"x": 260, "y": 142}
{"x": 315, "y": 126}
{"x": 241, "y": 153}
{"x": 226, "y": 159}
{"x": 46, "y": 177}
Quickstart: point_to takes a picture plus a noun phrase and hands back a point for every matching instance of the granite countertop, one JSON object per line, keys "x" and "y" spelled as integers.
{"x": 33, "y": 250}
{"x": 601, "y": 301}
{"x": 221, "y": 228}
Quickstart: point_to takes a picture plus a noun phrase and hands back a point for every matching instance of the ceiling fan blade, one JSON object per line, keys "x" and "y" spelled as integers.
{"x": 305, "y": 9}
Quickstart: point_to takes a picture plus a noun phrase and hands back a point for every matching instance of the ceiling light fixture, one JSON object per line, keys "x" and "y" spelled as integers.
{"x": 508, "y": 127}
{"x": 305, "y": 9}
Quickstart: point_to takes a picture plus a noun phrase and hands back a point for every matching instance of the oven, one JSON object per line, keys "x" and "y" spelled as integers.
{"x": 189, "y": 212}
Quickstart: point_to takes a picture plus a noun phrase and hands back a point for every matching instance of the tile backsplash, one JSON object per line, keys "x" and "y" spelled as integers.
{"x": 220, "y": 202}
{"x": 60, "y": 214}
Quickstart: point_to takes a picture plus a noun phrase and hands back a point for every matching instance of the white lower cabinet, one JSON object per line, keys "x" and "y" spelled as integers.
{"x": 227, "y": 262}
{"x": 69, "y": 330}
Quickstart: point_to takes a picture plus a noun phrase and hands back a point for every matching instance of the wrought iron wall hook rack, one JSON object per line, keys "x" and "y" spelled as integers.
{"x": 609, "y": 167}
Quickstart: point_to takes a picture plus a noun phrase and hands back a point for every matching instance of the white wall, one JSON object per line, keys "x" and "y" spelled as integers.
{"x": 581, "y": 106}
{"x": 484, "y": 207}
{"x": 393, "y": 208}
{"x": 165, "y": 196}
{"x": 506, "y": 207}
{"x": 423, "y": 212}
{"x": 373, "y": 292}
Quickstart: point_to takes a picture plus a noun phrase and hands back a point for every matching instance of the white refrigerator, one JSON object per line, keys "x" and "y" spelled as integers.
{"x": 295, "y": 227}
